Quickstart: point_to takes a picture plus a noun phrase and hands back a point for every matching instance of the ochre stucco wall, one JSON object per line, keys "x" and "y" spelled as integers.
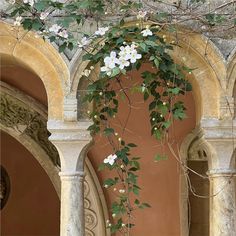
{"x": 24, "y": 80}
{"x": 33, "y": 205}
{"x": 159, "y": 181}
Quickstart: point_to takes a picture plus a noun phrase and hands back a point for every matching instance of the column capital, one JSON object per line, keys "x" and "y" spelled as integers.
{"x": 215, "y": 129}
{"x": 72, "y": 140}
{"x": 220, "y": 136}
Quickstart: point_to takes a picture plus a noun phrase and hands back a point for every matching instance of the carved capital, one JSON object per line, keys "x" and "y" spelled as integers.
{"x": 221, "y": 136}
{"x": 72, "y": 141}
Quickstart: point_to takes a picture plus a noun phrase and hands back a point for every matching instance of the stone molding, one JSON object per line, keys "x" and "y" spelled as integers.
{"x": 19, "y": 115}
{"x": 221, "y": 173}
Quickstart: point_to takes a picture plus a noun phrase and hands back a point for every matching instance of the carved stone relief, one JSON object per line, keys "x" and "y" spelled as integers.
{"x": 94, "y": 217}
{"x": 197, "y": 150}
{"x": 15, "y": 114}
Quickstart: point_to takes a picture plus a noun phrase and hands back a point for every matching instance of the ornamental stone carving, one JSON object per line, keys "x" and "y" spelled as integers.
{"x": 19, "y": 116}
{"x": 197, "y": 150}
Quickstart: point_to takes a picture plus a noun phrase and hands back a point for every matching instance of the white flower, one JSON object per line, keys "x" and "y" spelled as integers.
{"x": 133, "y": 45}
{"x": 83, "y": 42}
{"x": 86, "y": 72}
{"x": 106, "y": 69}
{"x": 110, "y": 159}
{"x": 30, "y": 2}
{"x": 55, "y": 28}
{"x": 63, "y": 34}
{"x": 123, "y": 225}
{"x": 111, "y": 61}
{"x": 113, "y": 215}
{"x": 146, "y": 32}
{"x": 101, "y": 31}
{"x": 18, "y": 20}
{"x": 43, "y": 15}
{"x": 60, "y": 1}
{"x": 141, "y": 14}
{"x": 122, "y": 191}
{"x": 12, "y": 1}
{"x": 123, "y": 62}
{"x": 134, "y": 56}
{"x": 125, "y": 52}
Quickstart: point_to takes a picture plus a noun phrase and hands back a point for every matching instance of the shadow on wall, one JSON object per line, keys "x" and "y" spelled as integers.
{"x": 33, "y": 207}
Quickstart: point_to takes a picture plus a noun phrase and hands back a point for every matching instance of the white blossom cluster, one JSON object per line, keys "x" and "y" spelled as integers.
{"x": 85, "y": 40}
{"x": 18, "y": 20}
{"x": 30, "y": 2}
{"x": 110, "y": 159}
{"x": 126, "y": 56}
{"x": 58, "y": 30}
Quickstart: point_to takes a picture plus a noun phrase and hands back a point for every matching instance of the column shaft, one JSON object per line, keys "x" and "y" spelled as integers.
{"x": 72, "y": 204}
{"x": 223, "y": 206}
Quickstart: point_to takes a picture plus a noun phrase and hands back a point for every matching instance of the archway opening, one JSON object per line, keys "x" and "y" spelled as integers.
{"x": 160, "y": 179}
{"x": 19, "y": 76}
{"x": 198, "y": 207}
{"x": 33, "y": 205}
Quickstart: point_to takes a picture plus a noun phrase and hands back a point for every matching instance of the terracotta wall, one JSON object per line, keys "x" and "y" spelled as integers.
{"x": 159, "y": 181}
{"x": 33, "y": 205}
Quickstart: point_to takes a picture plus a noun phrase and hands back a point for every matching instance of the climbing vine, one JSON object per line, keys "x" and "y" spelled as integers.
{"x": 119, "y": 49}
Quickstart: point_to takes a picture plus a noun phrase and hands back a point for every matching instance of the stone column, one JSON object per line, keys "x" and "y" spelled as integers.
{"x": 71, "y": 140}
{"x": 222, "y": 172}
{"x": 223, "y": 208}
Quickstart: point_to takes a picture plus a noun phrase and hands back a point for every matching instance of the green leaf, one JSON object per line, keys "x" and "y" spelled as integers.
{"x": 156, "y": 61}
{"x": 160, "y": 157}
{"x": 174, "y": 90}
{"x": 84, "y": 4}
{"x": 36, "y": 25}
{"x": 136, "y": 202}
{"x": 144, "y": 205}
{"x": 144, "y": 47}
{"x": 136, "y": 190}
{"x": 132, "y": 145}
{"x": 111, "y": 182}
{"x": 158, "y": 134}
{"x": 41, "y": 5}
{"x": 108, "y": 131}
{"x": 101, "y": 167}
{"x": 115, "y": 72}
{"x": 145, "y": 95}
{"x": 167, "y": 124}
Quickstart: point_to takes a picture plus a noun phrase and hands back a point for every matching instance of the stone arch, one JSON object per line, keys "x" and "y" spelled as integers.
{"x": 231, "y": 73}
{"x": 207, "y": 79}
{"x": 28, "y": 126}
{"x": 231, "y": 82}
{"x": 27, "y": 49}
{"x": 30, "y": 130}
